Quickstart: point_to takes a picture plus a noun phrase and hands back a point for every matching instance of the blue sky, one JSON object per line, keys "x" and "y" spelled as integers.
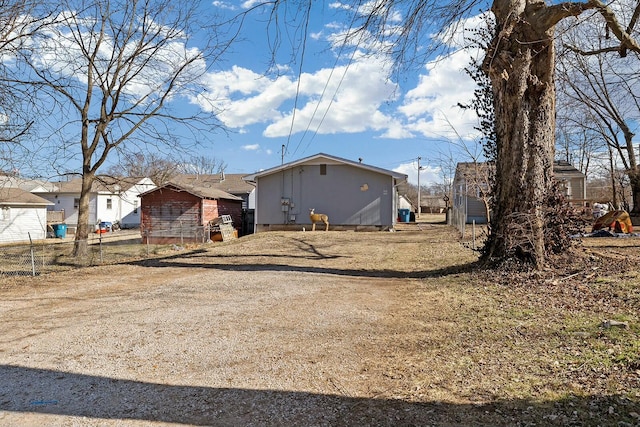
{"x": 337, "y": 99}
{"x": 347, "y": 104}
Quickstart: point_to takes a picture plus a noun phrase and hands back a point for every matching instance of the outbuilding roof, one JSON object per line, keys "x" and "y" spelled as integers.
{"x": 16, "y": 196}
{"x": 322, "y": 158}
{"x": 198, "y": 191}
{"x": 560, "y": 169}
{"x": 230, "y": 182}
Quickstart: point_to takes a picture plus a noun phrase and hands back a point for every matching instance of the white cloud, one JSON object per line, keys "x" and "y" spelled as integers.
{"x": 242, "y": 97}
{"x": 428, "y": 175}
{"x": 256, "y": 148}
{"x": 60, "y": 53}
{"x": 351, "y": 98}
{"x": 223, "y": 5}
{"x": 461, "y": 33}
{"x": 431, "y": 108}
{"x": 250, "y": 3}
{"x": 344, "y": 99}
{"x": 339, "y": 5}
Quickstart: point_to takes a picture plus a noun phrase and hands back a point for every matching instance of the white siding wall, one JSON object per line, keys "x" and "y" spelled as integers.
{"x": 104, "y": 211}
{"x": 130, "y": 203}
{"x": 66, "y": 203}
{"x": 16, "y": 223}
{"x": 125, "y": 206}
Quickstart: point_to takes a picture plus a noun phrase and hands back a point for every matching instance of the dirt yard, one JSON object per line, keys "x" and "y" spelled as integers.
{"x": 318, "y": 329}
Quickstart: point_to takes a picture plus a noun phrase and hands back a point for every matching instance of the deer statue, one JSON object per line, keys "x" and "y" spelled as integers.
{"x": 318, "y": 218}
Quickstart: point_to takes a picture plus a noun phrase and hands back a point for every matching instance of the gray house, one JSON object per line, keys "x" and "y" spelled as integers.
{"x": 354, "y": 195}
{"x": 471, "y": 186}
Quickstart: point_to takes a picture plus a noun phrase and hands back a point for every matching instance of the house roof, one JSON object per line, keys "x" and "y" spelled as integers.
{"x": 102, "y": 183}
{"x": 560, "y": 169}
{"x": 433, "y": 201}
{"x": 464, "y": 169}
{"x": 231, "y": 183}
{"x": 17, "y": 196}
{"x": 23, "y": 183}
{"x": 322, "y": 158}
{"x": 201, "y": 192}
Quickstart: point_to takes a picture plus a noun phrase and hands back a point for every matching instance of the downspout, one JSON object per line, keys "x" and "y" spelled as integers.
{"x": 396, "y": 201}
{"x": 202, "y": 212}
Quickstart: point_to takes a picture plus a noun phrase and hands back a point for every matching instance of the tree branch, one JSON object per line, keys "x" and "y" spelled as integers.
{"x": 626, "y": 41}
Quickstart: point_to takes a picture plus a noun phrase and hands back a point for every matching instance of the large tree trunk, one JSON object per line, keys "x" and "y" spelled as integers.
{"x": 633, "y": 170}
{"x": 634, "y": 182}
{"x": 81, "y": 243}
{"x": 520, "y": 63}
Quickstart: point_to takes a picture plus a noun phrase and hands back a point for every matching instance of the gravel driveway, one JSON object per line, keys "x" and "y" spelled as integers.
{"x": 289, "y": 329}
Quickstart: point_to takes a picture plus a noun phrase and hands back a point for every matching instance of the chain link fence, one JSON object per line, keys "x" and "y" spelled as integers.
{"x": 57, "y": 254}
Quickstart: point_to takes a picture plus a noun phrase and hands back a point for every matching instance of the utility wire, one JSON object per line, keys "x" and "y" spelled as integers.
{"x": 302, "y": 56}
{"x": 324, "y": 90}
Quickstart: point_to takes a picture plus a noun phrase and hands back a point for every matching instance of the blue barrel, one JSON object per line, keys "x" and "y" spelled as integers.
{"x": 60, "y": 230}
{"x": 405, "y": 215}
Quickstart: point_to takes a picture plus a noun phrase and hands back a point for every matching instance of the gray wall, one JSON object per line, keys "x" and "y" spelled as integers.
{"x": 348, "y": 195}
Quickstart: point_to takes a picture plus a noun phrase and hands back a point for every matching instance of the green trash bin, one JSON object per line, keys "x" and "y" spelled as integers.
{"x": 60, "y": 230}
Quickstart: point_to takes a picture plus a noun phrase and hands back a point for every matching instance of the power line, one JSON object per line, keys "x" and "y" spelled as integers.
{"x": 322, "y": 95}
{"x": 297, "y": 97}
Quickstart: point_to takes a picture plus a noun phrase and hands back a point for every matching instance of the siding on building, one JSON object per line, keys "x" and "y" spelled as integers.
{"x": 338, "y": 194}
{"x": 122, "y": 192}
{"x": 22, "y": 216}
{"x": 229, "y": 183}
{"x": 471, "y": 177}
{"x": 18, "y": 223}
{"x": 175, "y": 213}
{"x": 352, "y": 194}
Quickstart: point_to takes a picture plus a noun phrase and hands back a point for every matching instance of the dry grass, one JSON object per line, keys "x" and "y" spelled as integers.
{"x": 402, "y": 328}
{"x": 535, "y": 348}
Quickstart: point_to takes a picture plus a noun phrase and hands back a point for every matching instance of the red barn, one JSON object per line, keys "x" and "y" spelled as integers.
{"x": 176, "y": 213}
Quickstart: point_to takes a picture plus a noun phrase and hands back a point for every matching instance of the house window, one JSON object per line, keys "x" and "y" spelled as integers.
{"x": 323, "y": 169}
{"x": 76, "y": 203}
{"x": 6, "y": 213}
{"x": 135, "y": 206}
{"x": 109, "y": 204}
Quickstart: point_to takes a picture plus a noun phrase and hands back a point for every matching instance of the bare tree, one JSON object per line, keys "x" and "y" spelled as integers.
{"x": 607, "y": 87}
{"x": 577, "y": 142}
{"x": 112, "y": 68}
{"x": 202, "y": 165}
{"x": 520, "y": 62}
{"x": 159, "y": 169}
{"x": 17, "y": 24}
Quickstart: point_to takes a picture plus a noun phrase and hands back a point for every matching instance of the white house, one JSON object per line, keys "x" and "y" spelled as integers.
{"x": 111, "y": 199}
{"x": 405, "y": 203}
{"x": 23, "y": 216}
